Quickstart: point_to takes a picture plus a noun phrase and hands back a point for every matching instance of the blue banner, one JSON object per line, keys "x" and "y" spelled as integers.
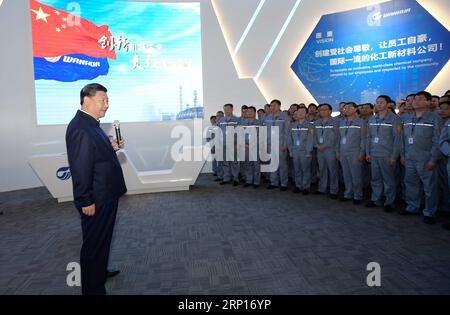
{"x": 394, "y": 48}
{"x": 70, "y": 68}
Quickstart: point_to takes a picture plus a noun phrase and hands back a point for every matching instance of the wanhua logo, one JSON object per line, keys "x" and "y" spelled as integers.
{"x": 63, "y": 173}
{"x": 53, "y": 59}
{"x": 376, "y": 15}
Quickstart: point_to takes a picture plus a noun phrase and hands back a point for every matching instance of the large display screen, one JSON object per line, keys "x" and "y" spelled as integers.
{"x": 148, "y": 56}
{"x": 394, "y": 48}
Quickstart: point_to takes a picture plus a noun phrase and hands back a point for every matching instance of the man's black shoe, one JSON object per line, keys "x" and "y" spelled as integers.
{"x": 370, "y": 204}
{"x": 388, "y": 208}
{"x": 112, "y": 273}
{"x": 429, "y": 220}
{"x": 272, "y": 187}
{"x": 357, "y": 201}
{"x": 235, "y": 183}
{"x": 343, "y": 199}
{"x": 405, "y": 212}
{"x": 444, "y": 214}
{"x": 305, "y": 192}
{"x": 282, "y": 188}
{"x": 333, "y": 196}
{"x": 316, "y": 192}
{"x": 296, "y": 190}
{"x": 217, "y": 180}
{"x": 247, "y": 185}
{"x": 224, "y": 183}
{"x": 256, "y": 186}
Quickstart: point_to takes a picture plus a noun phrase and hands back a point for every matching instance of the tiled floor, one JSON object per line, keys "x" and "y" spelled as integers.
{"x": 226, "y": 240}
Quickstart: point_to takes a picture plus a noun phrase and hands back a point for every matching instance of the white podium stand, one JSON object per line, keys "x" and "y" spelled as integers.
{"x": 53, "y": 171}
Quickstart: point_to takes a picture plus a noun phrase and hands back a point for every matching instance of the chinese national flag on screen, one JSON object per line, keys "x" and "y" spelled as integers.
{"x": 57, "y": 33}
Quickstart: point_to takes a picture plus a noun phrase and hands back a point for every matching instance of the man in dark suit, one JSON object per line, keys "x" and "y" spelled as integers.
{"x": 97, "y": 185}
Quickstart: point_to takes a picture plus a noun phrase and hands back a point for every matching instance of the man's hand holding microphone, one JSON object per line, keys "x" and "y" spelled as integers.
{"x": 117, "y": 143}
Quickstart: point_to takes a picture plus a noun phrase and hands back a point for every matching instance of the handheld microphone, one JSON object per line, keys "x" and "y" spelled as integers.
{"x": 117, "y": 128}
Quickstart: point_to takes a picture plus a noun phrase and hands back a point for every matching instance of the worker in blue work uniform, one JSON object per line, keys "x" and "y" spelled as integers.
{"x": 403, "y": 113}
{"x": 300, "y": 141}
{"x": 218, "y": 161}
{"x": 444, "y": 145}
{"x": 292, "y": 109}
{"x": 313, "y": 115}
{"x": 351, "y": 152}
{"x": 420, "y": 156}
{"x": 265, "y": 176}
{"x": 241, "y": 164}
{"x": 249, "y": 141}
{"x": 209, "y": 137}
{"x": 337, "y": 118}
{"x": 366, "y": 112}
{"x": 230, "y": 165}
{"x": 405, "y": 110}
{"x": 444, "y": 197}
{"x": 277, "y": 118}
{"x": 326, "y": 131}
{"x": 441, "y": 169}
{"x": 383, "y": 147}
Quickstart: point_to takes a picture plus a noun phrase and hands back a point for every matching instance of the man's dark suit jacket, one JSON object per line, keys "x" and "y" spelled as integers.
{"x": 96, "y": 172}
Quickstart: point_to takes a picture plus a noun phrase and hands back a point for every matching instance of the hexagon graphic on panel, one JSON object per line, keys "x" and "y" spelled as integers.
{"x": 394, "y": 48}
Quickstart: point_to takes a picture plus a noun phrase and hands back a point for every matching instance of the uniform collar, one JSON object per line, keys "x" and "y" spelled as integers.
{"x": 424, "y": 115}
{"x": 91, "y": 119}
{"x": 388, "y": 112}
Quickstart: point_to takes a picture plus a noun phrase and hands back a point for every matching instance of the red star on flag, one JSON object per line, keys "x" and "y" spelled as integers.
{"x": 53, "y": 36}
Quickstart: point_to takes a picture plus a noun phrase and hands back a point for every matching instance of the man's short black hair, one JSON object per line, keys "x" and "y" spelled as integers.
{"x": 276, "y": 101}
{"x": 212, "y": 117}
{"x": 296, "y": 106}
{"x": 393, "y": 102}
{"x": 327, "y": 105}
{"x": 444, "y": 103}
{"x": 353, "y": 104}
{"x": 228, "y": 105}
{"x": 424, "y": 93}
{"x": 369, "y": 104}
{"x": 305, "y": 108}
{"x": 436, "y": 96}
{"x": 385, "y": 97}
{"x": 244, "y": 107}
{"x": 220, "y": 112}
{"x": 90, "y": 90}
{"x": 312, "y": 105}
{"x": 261, "y": 110}
{"x": 410, "y": 95}
{"x": 252, "y": 108}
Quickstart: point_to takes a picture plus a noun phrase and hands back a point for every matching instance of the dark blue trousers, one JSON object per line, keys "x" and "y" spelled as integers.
{"x": 97, "y": 235}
